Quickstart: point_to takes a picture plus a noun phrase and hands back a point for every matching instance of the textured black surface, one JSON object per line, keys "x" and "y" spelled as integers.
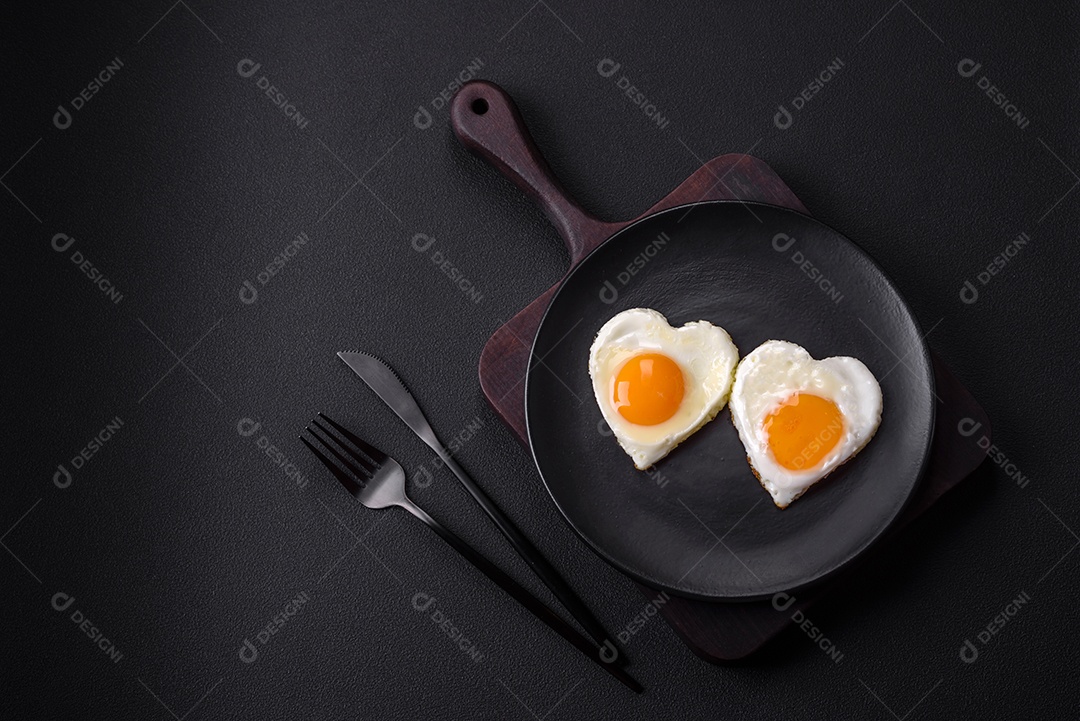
{"x": 180, "y": 180}
{"x": 728, "y": 263}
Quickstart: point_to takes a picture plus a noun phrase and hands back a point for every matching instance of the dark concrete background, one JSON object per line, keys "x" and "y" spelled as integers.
{"x": 179, "y": 180}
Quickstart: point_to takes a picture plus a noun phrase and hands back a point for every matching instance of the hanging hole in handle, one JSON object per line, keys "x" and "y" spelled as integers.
{"x": 479, "y": 106}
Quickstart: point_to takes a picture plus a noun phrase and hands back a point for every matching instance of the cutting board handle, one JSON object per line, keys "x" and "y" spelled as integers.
{"x": 487, "y": 122}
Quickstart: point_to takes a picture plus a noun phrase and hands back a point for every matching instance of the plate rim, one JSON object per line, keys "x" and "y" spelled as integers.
{"x": 748, "y": 597}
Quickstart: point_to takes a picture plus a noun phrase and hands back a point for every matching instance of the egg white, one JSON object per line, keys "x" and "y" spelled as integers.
{"x": 705, "y": 354}
{"x": 770, "y": 374}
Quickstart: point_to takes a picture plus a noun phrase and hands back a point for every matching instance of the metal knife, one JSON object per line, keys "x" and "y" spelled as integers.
{"x": 382, "y": 379}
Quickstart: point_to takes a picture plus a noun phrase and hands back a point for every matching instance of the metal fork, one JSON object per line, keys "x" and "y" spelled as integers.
{"x": 378, "y": 481}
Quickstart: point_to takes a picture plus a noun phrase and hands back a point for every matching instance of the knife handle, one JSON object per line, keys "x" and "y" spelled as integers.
{"x": 522, "y": 596}
{"x": 540, "y": 566}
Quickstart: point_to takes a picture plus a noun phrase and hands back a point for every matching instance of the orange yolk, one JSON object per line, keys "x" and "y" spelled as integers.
{"x": 648, "y": 389}
{"x": 803, "y": 430}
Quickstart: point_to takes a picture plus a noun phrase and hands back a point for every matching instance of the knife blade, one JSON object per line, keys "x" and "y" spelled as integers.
{"x": 382, "y": 379}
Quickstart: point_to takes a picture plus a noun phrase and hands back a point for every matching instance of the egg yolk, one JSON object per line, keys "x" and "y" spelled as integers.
{"x": 648, "y": 389}
{"x": 803, "y": 430}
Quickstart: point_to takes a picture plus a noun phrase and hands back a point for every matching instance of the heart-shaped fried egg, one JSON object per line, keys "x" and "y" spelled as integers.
{"x": 799, "y": 418}
{"x": 656, "y": 385}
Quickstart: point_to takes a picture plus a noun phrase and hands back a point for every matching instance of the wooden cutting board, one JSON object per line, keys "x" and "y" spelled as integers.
{"x": 486, "y": 121}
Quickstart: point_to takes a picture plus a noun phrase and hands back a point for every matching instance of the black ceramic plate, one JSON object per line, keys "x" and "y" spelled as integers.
{"x": 699, "y": 524}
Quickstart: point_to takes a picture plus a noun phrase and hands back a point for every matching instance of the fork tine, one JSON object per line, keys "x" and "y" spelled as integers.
{"x": 363, "y": 473}
{"x": 346, "y": 480}
{"x": 369, "y": 466}
{"x": 373, "y": 453}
